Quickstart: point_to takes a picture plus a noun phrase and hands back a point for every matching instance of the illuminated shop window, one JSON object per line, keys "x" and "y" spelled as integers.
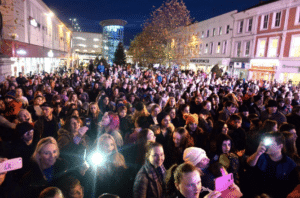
{"x": 261, "y": 46}
{"x": 273, "y": 46}
{"x": 295, "y": 46}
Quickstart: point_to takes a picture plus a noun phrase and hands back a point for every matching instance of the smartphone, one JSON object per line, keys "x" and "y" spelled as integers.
{"x": 223, "y": 182}
{"x": 10, "y": 165}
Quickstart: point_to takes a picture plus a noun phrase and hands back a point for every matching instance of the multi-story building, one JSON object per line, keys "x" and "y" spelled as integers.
{"x": 113, "y": 33}
{"x": 206, "y": 43}
{"x": 33, "y": 38}
{"x": 86, "y": 46}
{"x": 276, "y": 52}
{"x": 243, "y": 42}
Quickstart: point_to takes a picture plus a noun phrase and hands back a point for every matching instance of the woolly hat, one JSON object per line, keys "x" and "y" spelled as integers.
{"x": 190, "y": 118}
{"x": 194, "y": 155}
{"x": 22, "y": 128}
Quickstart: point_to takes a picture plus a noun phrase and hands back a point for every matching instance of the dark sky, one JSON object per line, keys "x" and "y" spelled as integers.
{"x": 90, "y": 12}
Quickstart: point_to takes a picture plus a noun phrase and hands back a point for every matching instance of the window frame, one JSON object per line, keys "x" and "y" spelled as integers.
{"x": 293, "y": 36}
{"x": 241, "y": 26}
{"x": 218, "y": 50}
{"x": 227, "y": 29}
{"x": 224, "y": 46}
{"x": 258, "y": 47}
{"x": 274, "y": 19}
{"x": 297, "y": 16}
{"x": 268, "y": 52}
{"x": 214, "y": 32}
{"x": 245, "y": 54}
{"x": 207, "y": 33}
{"x": 238, "y": 51}
{"x": 263, "y": 22}
{"x": 248, "y": 24}
{"x": 211, "y": 47}
{"x": 220, "y": 30}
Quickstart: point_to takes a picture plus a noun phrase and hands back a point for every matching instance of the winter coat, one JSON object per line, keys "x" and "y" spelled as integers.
{"x": 147, "y": 183}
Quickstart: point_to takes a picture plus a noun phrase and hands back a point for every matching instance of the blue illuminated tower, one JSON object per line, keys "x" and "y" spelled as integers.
{"x": 113, "y": 33}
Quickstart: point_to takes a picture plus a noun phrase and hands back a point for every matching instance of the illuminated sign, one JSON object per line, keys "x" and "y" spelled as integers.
{"x": 50, "y": 53}
{"x": 21, "y": 52}
{"x": 199, "y": 60}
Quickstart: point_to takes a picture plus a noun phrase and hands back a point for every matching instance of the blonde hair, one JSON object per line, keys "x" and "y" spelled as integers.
{"x": 97, "y": 107}
{"x": 105, "y": 137}
{"x": 40, "y": 145}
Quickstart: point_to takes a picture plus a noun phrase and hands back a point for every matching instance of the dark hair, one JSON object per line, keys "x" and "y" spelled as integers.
{"x": 286, "y": 127}
{"x": 67, "y": 183}
{"x": 268, "y": 126}
{"x": 229, "y": 104}
{"x": 217, "y": 129}
{"x": 235, "y": 117}
{"x": 121, "y": 108}
{"x": 279, "y": 138}
{"x": 220, "y": 139}
{"x": 290, "y": 146}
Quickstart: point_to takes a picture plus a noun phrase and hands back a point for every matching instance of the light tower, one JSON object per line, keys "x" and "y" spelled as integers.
{"x": 113, "y": 33}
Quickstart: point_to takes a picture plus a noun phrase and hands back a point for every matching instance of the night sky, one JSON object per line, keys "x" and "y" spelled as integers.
{"x": 90, "y": 12}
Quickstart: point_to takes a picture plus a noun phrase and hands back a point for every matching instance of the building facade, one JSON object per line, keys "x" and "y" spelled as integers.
{"x": 206, "y": 43}
{"x": 113, "y": 33}
{"x": 33, "y": 38}
{"x": 276, "y": 47}
{"x": 86, "y": 46}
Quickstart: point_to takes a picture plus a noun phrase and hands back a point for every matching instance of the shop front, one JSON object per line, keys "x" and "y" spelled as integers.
{"x": 239, "y": 67}
{"x": 206, "y": 64}
{"x": 290, "y": 72}
{"x": 31, "y": 59}
{"x": 263, "y": 69}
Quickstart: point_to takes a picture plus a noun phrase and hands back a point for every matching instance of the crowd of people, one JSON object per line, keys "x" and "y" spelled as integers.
{"x": 123, "y": 132}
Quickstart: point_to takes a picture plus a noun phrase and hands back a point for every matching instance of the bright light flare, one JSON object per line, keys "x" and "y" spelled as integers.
{"x": 267, "y": 141}
{"x": 97, "y": 159}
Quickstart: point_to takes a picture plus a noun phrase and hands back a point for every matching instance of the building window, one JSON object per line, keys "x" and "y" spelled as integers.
{"x": 241, "y": 24}
{"x": 211, "y": 47}
{"x": 265, "y": 20}
{"x": 214, "y": 32}
{"x": 273, "y": 46}
{"x": 206, "y": 48}
{"x": 277, "y": 19}
{"x": 220, "y": 30}
{"x": 227, "y": 29}
{"x": 261, "y": 46}
{"x": 295, "y": 46}
{"x": 247, "y": 48}
{"x": 207, "y": 33}
{"x": 297, "y": 17}
{"x": 238, "y": 49}
{"x": 202, "y": 36}
{"x": 218, "y": 48}
{"x": 224, "y": 47}
{"x": 250, "y": 21}
{"x": 200, "y": 48}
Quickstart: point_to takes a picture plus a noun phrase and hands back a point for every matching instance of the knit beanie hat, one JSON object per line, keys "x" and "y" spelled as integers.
{"x": 194, "y": 155}
{"x": 190, "y": 118}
